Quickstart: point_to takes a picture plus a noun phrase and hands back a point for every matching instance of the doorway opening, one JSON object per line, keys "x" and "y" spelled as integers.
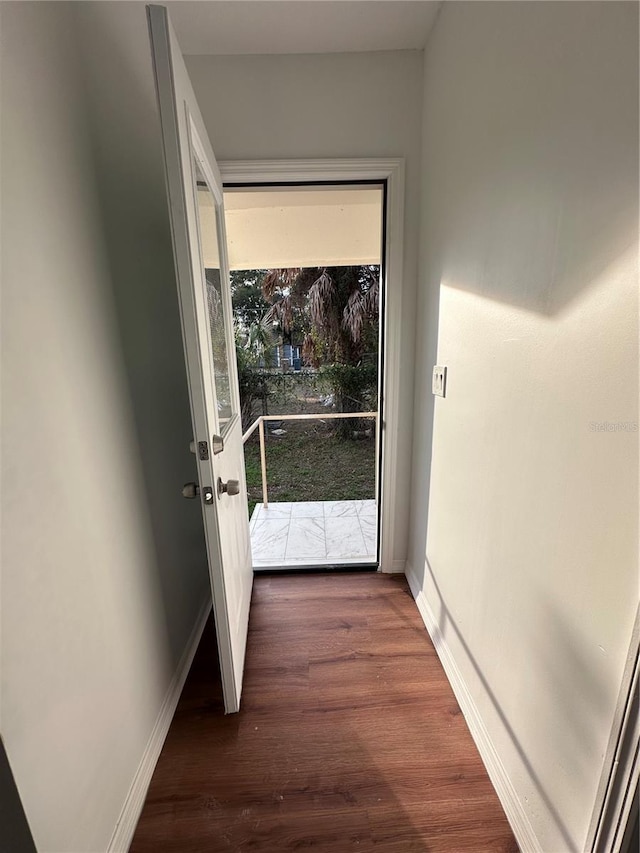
{"x": 307, "y": 281}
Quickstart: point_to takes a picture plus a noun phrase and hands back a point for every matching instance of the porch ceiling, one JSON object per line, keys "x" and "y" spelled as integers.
{"x": 299, "y": 227}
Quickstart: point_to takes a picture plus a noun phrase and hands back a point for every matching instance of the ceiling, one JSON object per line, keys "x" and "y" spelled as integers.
{"x": 302, "y": 227}
{"x": 300, "y": 26}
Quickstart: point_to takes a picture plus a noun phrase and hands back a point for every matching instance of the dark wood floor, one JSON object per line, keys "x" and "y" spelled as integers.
{"x": 349, "y": 737}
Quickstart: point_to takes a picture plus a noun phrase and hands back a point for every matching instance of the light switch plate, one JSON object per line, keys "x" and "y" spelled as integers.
{"x": 439, "y": 381}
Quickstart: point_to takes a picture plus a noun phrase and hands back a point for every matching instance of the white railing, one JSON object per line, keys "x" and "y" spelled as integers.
{"x": 260, "y": 422}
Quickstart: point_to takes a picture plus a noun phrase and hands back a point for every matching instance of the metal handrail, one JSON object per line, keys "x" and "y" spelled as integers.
{"x": 260, "y": 422}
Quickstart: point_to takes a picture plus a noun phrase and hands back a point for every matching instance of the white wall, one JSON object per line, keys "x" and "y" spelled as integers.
{"x": 528, "y": 292}
{"x": 323, "y": 106}
{"x": 103, "y": 563}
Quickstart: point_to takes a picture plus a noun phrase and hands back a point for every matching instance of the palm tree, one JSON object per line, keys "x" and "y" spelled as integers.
{"x": 335, "y": 312}
{"x": 334, "y": 309}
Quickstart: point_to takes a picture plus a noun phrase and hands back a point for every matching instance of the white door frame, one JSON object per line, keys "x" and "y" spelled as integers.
{"x": 621, "y": 767}
{"x": 390, "y": 171}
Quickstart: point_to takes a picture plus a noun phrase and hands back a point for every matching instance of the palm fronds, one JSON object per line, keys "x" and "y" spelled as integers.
{"x": 334, "y": 310}
{"x": 321, "y": 298}
{"x": 279, "y": 279}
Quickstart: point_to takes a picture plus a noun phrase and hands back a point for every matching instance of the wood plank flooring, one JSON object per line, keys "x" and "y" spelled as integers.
{"x": 349, "y": 737}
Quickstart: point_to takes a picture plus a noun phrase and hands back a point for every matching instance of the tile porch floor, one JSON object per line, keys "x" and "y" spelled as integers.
{"x": 313, "y": 533}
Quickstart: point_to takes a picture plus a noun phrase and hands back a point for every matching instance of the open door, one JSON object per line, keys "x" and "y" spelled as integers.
{"x": 196, "y": 209}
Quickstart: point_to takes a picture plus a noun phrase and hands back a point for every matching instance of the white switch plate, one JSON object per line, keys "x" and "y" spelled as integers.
{"x": 439, "y": 381}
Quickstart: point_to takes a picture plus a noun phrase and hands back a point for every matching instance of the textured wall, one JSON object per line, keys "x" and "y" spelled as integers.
{"x": 103, "y": 566}
{"x": 524, "y": 530}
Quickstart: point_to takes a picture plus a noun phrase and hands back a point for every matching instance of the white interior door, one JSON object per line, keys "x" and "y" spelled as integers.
{"x": 197, "y": 218}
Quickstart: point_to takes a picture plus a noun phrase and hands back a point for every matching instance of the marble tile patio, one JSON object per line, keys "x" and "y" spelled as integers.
{"x": 314, "y": 533}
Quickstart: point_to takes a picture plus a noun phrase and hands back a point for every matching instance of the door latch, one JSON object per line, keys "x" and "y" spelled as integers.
{"x": 202, "y": 447}
{"x": 192, "y": 490}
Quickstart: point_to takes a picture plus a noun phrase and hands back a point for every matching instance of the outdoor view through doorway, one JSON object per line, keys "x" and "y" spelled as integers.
{"x": 306, "y": 284}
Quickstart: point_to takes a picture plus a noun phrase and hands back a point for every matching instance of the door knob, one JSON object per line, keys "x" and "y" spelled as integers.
{"x": 231, "y": 487}
{"x": 190, "y": 490}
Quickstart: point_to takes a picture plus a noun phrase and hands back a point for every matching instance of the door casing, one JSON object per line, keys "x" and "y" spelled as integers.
{"x": 389, "y": 171}
{"x": 615, "y": 800}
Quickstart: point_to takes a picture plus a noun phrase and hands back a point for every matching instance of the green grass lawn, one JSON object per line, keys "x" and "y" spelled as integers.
{"x": 311, "y": 463}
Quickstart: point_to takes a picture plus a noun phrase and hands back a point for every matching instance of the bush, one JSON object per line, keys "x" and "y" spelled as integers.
{"x": 293, "y": 389}
{"x": 251, "y": 384}
{"x": 355, "y": 388}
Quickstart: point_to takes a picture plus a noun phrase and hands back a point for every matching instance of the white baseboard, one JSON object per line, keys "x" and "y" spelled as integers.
{"x": 126, "y": 825}
{"x": 414, "y": 584}
{"x": 516, "y": 815}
